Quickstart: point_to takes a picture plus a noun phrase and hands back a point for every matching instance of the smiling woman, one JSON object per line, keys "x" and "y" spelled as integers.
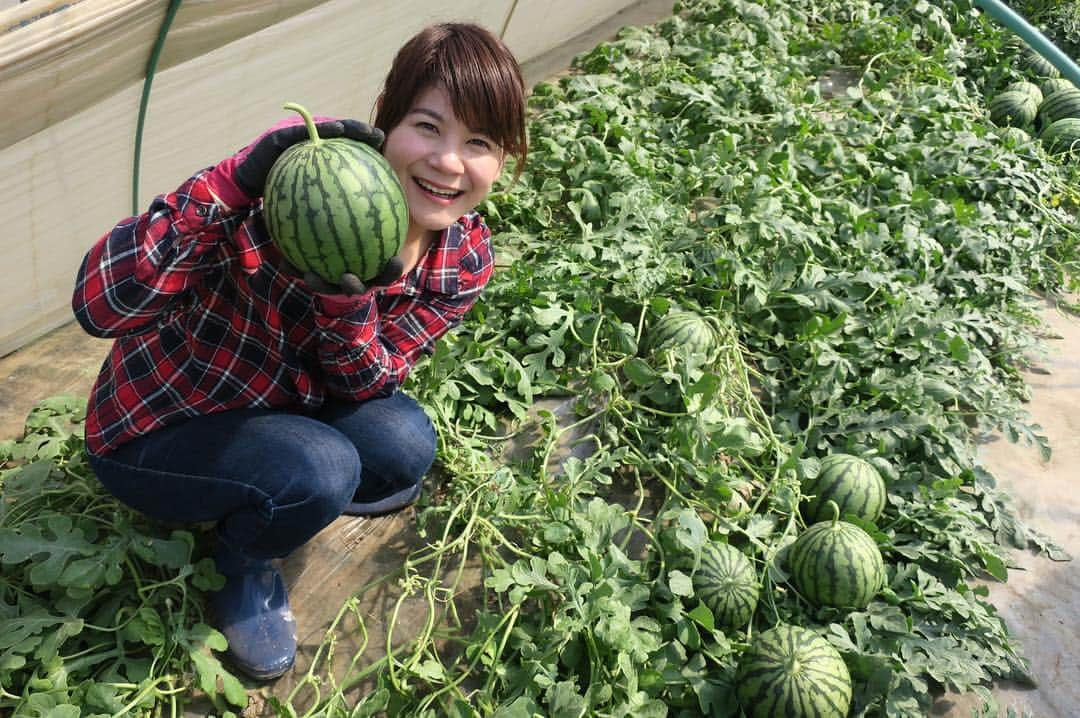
{"x": 239, "y": 392}
{"x": 482, "y": 82}
{"x": 445, "y": 167}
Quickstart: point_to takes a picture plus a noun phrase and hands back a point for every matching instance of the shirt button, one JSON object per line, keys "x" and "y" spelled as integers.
{"x": 202, "y": 210}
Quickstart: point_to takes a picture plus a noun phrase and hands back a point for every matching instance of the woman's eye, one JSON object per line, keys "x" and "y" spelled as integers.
{"x": 481, "y": 142}
{"x": 426, "y": 126}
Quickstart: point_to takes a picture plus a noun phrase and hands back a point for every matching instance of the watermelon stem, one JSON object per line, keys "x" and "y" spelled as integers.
{"x": 831, "y": 505}
{"x": 308, "y": 121}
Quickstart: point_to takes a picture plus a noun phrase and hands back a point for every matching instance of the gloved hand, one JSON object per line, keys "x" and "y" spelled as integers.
{"x": 250, "y": 174}
{"x": 350, "y": 283}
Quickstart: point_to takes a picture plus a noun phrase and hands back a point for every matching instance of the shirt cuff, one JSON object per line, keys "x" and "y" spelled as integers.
{"x": 223, "y": 188}
{"x": 343, "y": 305}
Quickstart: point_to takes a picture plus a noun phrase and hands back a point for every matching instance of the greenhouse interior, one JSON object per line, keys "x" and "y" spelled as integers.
{"x": 766, "y": 407}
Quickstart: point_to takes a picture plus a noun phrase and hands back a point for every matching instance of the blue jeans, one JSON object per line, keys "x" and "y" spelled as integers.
{"x": 273, "y": 479}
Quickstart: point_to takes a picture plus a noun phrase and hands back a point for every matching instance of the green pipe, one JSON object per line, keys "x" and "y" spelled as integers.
{"x": 144, "y": 101}
{"x": 1031, "y": 35}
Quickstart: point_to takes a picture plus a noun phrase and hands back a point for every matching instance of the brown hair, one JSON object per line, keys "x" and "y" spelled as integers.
{"x": 479, "y": 74}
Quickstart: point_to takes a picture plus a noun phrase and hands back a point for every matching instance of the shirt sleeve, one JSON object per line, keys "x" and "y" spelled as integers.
{"x": 133, "y": 273}
{"x": 369, "y": 345}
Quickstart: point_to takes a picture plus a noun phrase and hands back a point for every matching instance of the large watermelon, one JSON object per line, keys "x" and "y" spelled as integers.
{"x": 836, "y": 563}
{"x": 727, "y": 583}
{"x": 335, "y": 206}
{"x": 853, "y": 484}
{"x": 686, "y": 331}
{"x": 791, "y": 672}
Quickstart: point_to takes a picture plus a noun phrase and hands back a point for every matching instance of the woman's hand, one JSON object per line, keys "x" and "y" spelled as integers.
{"x": 350, "y": 284}
{"x": 250, "y": 174}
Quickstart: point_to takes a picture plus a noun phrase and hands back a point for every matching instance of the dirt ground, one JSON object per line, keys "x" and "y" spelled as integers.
{"x": 1040, "y": 601}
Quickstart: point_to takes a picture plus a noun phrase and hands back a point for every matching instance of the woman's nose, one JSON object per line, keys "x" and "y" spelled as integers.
{"x": 447, "y": 159}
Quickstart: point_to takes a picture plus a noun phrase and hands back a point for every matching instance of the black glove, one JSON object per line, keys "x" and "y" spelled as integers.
{"x": 350, "y": 283}
{"x": 250, "y": 174}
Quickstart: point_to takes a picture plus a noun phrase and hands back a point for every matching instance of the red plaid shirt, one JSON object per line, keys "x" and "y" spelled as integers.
{"x": 204, "y": 320}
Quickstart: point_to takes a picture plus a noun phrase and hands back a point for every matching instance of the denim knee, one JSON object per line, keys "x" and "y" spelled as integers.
{"x": 321, "y": 476}
{"x": 393, "y": 436}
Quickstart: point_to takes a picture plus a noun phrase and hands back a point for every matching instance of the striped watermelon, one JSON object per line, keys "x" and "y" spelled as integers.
{"x": 853, "y": 484}
{"x": 1063, "y": 103}
{"x": 1010, "y": 137}
{"x": 836, "y": 563}
{"x": 1014, "y": 107}
{"x": 335, "y": 206}
{"x": 1062, "y": 135}
{"x": 1054, "y": 84}
{"x": 791, "y": 672}
{"x": 727, "y": 583}
{"x": 1027, "y": 88}
{"x": 688, "y": 332}
{"x": 1037, "y": 65}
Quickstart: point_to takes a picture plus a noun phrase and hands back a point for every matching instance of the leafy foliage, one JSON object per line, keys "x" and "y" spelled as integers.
{"x": 101, "y": 607}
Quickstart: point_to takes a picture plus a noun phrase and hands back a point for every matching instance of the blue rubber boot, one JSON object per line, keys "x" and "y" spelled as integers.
{"x": 252, "y": 611}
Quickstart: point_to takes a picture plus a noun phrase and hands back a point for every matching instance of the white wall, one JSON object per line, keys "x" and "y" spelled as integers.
{"x": 65, "y": 172}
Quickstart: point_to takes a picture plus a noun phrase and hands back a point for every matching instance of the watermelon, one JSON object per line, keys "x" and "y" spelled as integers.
{"x": 1054, "y": 84}
{"x": 334, "y": 206}
{"x": 1063, "y": 103}
{"x": 685, "y": 331}
{"x": 727, "y": 583}
{"x": 791, "y": 672}
{"x": 1037, "y": 65}
{"x": 1013, "y": 107}
{"x": 853, "y": 484}
{"x": 836, "y": 563}
{"x": 1062, "y": 135}
{"x": 1010, "y": 137}
{"x": 1027, "y": 88}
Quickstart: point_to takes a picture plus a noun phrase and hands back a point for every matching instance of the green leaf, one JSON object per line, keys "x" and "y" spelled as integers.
{"x": 640, "y": 373}
{"x": 704, "y": 616}
{"x": 564, "y": 701}
{"x": 691, "y": 531}
{"x": 209, "y": 671}
{"x": 173, "y": 552}
{"x": 680, "y": 584}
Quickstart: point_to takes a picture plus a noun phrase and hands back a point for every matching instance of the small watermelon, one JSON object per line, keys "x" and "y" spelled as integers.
{"x": 684, "y": 331}
{"x": 791, "y": 672}
{"x": 334, "y": 206}
{"x": 852, "y": 483}
{"x": 1010, "y": 137}
{"x": 836, "y": 563}
{"x": 727, "y": 583}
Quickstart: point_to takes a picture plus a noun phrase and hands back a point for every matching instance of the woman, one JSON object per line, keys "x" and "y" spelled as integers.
{"x": 241, "y": 393}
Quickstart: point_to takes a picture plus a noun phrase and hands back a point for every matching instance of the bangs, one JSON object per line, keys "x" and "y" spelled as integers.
{"x": 484, "y": 97}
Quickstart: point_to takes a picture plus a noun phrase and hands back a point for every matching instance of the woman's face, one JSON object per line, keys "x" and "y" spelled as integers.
{"x": 445, "y": 167}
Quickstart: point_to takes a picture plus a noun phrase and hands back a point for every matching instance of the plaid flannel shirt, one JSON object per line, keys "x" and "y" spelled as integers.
{"x": 205, "y": 321}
